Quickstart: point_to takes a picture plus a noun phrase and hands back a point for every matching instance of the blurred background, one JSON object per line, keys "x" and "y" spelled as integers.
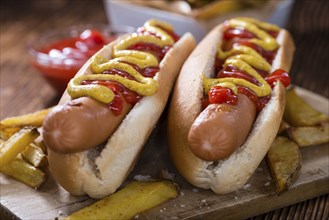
{"x": 23, "y": 20}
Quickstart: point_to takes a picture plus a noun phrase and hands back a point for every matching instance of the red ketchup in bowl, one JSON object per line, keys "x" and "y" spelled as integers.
{"x": 60, "y": 59}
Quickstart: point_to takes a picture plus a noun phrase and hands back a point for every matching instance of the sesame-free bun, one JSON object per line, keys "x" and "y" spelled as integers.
{"x": 99, "y": 172}
{"x": 230, "y": 174}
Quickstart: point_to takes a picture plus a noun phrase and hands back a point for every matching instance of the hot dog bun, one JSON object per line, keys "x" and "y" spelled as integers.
{"x": 100, "y": 172}
{"x": 229, "y": 174}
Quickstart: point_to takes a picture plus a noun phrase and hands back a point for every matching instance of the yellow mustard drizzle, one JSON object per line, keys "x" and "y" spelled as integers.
{"x": 143, "y": 85}
{"x": 246, "y": 58}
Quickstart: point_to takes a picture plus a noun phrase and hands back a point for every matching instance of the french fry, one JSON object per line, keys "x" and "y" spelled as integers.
{"x": 134, "y": 198}
{"x": 284, "y": 161}
{"x": 299, "y": 113}
{"x": 308, "y": 136}
{"x": 16, "y": 144}
{"x": 42, "y": 146}
{"x": 24, "y": 172}
{"x": 6, "y": 133}
{"x": 19, "y": 154}
{"x": 33, "y": 119}
{"x": 217, "y": 8}
{"x": 34, "y": 155}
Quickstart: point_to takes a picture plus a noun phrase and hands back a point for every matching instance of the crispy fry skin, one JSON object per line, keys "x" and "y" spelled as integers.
{"x": 9, "y": 126}
{"x": 308, "y": 136}
{"x": 134, "y": 198}
{"x": 24, "y": 172}
{"x": 284, "y": 161}
{"x": 16, "y": 144}
{"x": 299, "y": 113}
{"x": 307, "y": 126}
{"x": 20, "y": 154}
{"x": 33, "y": 119}
{"x": 6, "y": 133}
{"x": 34, "y": 155}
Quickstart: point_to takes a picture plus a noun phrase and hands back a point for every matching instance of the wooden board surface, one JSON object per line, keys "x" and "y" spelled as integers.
{"x": 256, "y": 197}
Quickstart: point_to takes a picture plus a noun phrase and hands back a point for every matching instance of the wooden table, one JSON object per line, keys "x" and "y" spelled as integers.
{"x": 23, "y": 90}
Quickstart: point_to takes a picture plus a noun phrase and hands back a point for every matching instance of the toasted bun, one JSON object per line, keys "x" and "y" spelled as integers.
{"x": 223, "y": 176}
{"x": 100, "y": 172}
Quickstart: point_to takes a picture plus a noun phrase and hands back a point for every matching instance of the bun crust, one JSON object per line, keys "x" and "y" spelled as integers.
{"x": 228, "y": 175}
{"x": 100, "y": 172}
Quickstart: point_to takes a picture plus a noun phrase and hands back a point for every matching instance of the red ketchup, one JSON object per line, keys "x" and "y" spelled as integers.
{"x": 219, "y": 94}
{"x": 61, "y": 60}
{"x": 122, "y": 93}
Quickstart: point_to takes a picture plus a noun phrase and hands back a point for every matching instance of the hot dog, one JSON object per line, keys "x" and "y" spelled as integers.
{"x": 228, "y": 102}
{"x": 95, "y": 133}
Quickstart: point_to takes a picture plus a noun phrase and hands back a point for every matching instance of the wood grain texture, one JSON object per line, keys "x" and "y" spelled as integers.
{"x": 23, "y": 90}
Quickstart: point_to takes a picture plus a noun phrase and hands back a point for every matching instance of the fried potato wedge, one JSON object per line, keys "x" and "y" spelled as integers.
{"x": 35, "y": 155}
{"x": 308, "y": 136}
{"x": 298, "y": 113}
{"x": 284, "y": 161}
{"x": 42, "y": 146}
{"x": 6, "y": 133}
{"x": 24, "y": 172}
{"x": 216, "y": 8}
{"x": 134, "y": 198}
{"x": 16, "y": 144}
{"x": 33, "y": 119}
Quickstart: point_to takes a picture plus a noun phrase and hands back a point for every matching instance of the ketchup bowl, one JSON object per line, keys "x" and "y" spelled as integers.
{"x": 59, "y": 54}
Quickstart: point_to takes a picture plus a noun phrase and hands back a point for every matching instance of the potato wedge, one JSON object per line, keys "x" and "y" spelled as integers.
{"x": 284, "y": 161}
{"x": 33, "y": 119}
{"x": 6, "y": 133}
{"x": 215, "y": 9}
{"x": 24, "y": 172}
{"x": 34, "y": 155}
{"x": 16, "y": 144}
{"x": 134, "y": 198}
{"x": 42, "y": 146}
{"x": 308, "y": 136}
{"x": 298, "y": 113}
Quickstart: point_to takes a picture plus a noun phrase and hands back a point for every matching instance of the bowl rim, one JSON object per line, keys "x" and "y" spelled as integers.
{"x": 71, "y": 31}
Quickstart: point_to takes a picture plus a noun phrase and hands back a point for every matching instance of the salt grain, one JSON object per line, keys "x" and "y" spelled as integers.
{"x": 195, "y": 190}
{"x": 167, "y": 175}
{"x": 142, "y": 177}
{"x": 182, "y": 205}
{"x": 267, "y": 184}
{"x": 246, "y": 186}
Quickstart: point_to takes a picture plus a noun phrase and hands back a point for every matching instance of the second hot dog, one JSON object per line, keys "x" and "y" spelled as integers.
{"x": 228, "y": 103}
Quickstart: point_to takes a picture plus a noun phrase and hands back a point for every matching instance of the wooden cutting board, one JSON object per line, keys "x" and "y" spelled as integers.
{"x": 256, "y": 197}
